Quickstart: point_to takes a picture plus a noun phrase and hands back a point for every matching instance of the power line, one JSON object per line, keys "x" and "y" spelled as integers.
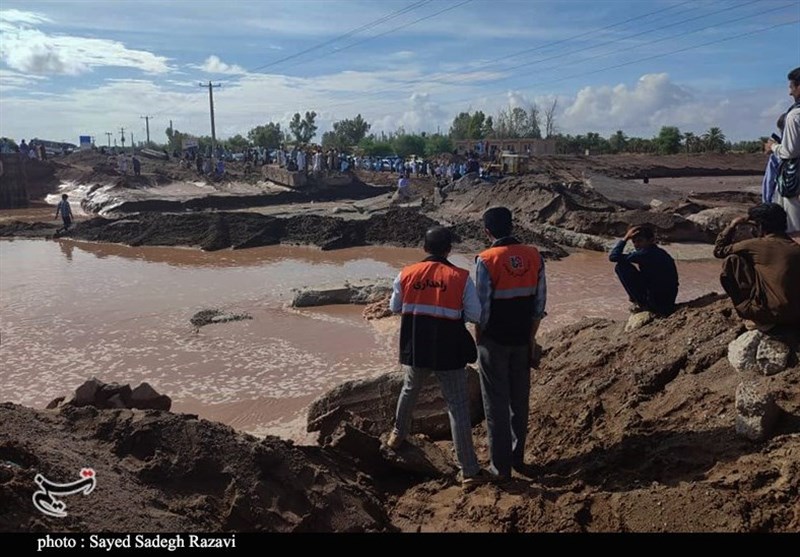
{"x": 397, "y": 28}
{"x": 463, "y": 79}
{"x": 350, "y": 33}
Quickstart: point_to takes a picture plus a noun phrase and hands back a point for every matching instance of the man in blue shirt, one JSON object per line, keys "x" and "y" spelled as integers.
{"x": 648, "y": 273}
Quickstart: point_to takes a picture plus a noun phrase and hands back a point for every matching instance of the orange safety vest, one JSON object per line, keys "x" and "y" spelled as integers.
{"x": 432, "y": 330}
{"x": 514, "y": 270}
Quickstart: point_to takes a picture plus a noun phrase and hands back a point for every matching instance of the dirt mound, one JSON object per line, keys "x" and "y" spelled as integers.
{"x": 634, "y": 432}
{"x": 162, "y": 472}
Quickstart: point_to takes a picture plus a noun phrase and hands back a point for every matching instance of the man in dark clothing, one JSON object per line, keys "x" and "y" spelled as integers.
{"x": 510, "y": 281}
{"x": 762, "y": 275}
{"x": 648, "y": 273}
{"x": 137, "y": 166}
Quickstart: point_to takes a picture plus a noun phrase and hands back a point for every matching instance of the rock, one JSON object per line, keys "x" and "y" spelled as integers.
{"x": 715, "y": 219}
{"x": 757, "y": 351}
{"x": 55, "y": 403}
{"x": 362, "y": 293}
{"x": 742, "y": 351}
{"x": 86, "y": 394}
{"x": 756, "y": 411}
{"x": 146, "y": 397}
{"x": 638, "y": 320}
{"x": 419, "y": 456}
{"x": 375, "y": 400}
{"x": 209, "y": 316}
{"x": 772, "y": 356}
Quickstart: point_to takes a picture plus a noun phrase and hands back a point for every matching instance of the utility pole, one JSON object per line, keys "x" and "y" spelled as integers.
{"x": 109, "y": 134}
{"x": 132, "y": 143}
{"x": 147, "y": 125}
{"x": 211, "y": 104}
{"x": 122, "y": 137}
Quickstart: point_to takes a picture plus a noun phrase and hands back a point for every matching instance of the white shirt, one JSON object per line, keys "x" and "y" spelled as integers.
{"x": 789, "y": 147}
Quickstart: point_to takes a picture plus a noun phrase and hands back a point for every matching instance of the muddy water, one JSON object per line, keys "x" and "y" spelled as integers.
{"x": 75, "y": 310}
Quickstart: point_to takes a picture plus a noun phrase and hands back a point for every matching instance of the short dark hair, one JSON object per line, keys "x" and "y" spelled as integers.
{"x": 498, "y": 222}
{"x": 646, "y": 232}
{"x": 771, "y": 218}
{"x": 64, "y": 196}
{"x": 438, "y": 241}
{"x": 794, "y": 76}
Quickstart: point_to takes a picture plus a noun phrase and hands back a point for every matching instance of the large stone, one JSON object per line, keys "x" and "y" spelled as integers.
{"x": 146, "y": 397}
{"x": 742, "y": 351}
{"x": 419, "y": 456}
{"x": 772, "y": 356}
{"x": 715, "y": 219}
{"x": 756, "y": 411}
{"x": 86, "y": 394}
{"x": 638, "y": 320}
{"x": 360, "y": 293}
{"x": 375, "y": 400}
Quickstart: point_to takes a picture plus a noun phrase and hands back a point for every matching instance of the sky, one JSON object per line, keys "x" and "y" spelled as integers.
{"x": 81, "y": 67}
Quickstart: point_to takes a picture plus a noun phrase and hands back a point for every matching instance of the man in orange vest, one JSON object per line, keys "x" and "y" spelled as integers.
{"x": 511, "y": 287}
{"x": 435, "y": 298}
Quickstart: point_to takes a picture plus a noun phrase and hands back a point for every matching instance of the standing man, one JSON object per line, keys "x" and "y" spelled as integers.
{"x": 435, "y": 297}
{"x": 648, "y": 273}
{"x": 787, "y": 193}
{"x": 511, "y": 286}
{"x": 761, "y": 275}
{"x": 137, "y": 166}
{"x": 65, "y": 211}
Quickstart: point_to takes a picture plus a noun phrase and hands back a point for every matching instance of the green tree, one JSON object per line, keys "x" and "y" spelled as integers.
{"x": 406, "y": 144}
{"x": 370, "y": 146}
{"x": 471, "y": 126}
{"x": 714, "y": 140}
{"x": 303, "y": 128}
{"x": 668, "y": 141}
{"x": 237, "y": 143}
{"x": 618, "y": 142}
{"x": 436, "y": 144}
{"x": 268, "y": 136}
{"x": 351, "y": 131}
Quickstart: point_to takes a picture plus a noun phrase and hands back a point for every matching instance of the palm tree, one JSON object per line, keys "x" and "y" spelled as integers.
{"x": 689, "y": 140}
{"x": 714, "y": 140}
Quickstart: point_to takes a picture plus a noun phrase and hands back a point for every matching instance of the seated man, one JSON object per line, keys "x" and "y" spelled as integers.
{"x": 762, "y": 275}
{"x": 648, "y": 273}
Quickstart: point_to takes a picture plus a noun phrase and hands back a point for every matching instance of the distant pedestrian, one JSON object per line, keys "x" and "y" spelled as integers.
{"x": 65, "y": 211}
{"x": 137, "y": 166}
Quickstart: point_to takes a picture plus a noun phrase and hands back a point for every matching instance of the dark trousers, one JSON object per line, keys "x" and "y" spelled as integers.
{"x": 505, "y": 387}
{"x": 640, "y": 292}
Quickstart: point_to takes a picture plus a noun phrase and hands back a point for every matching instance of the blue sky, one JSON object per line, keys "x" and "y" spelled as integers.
{"x": 70, "y": 68}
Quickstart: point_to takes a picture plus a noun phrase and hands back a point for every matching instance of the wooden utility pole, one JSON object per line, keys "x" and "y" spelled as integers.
{"x": 211, "y": 105}
{"x": 147, "y": 126}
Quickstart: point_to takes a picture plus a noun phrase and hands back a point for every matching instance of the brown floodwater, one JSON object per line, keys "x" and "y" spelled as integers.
{"x": 73, "y": 310}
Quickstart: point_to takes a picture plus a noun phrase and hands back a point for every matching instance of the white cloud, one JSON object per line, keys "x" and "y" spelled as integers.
{"x": 11, "y": 80}
{"x": 35, "y": 52}
{"x": 214, "y": 65}
{"x": 18, "y": 16}
{"x": 402, "y": 55}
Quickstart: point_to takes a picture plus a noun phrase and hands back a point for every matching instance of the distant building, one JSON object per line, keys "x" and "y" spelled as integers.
{"x": 492, "y": 146}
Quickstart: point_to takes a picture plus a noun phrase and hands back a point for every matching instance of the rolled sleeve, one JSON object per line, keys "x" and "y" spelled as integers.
{"x": 396, "y": 301}
{"x": 483, "y": 284}
{"x": 472, "y": 305}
